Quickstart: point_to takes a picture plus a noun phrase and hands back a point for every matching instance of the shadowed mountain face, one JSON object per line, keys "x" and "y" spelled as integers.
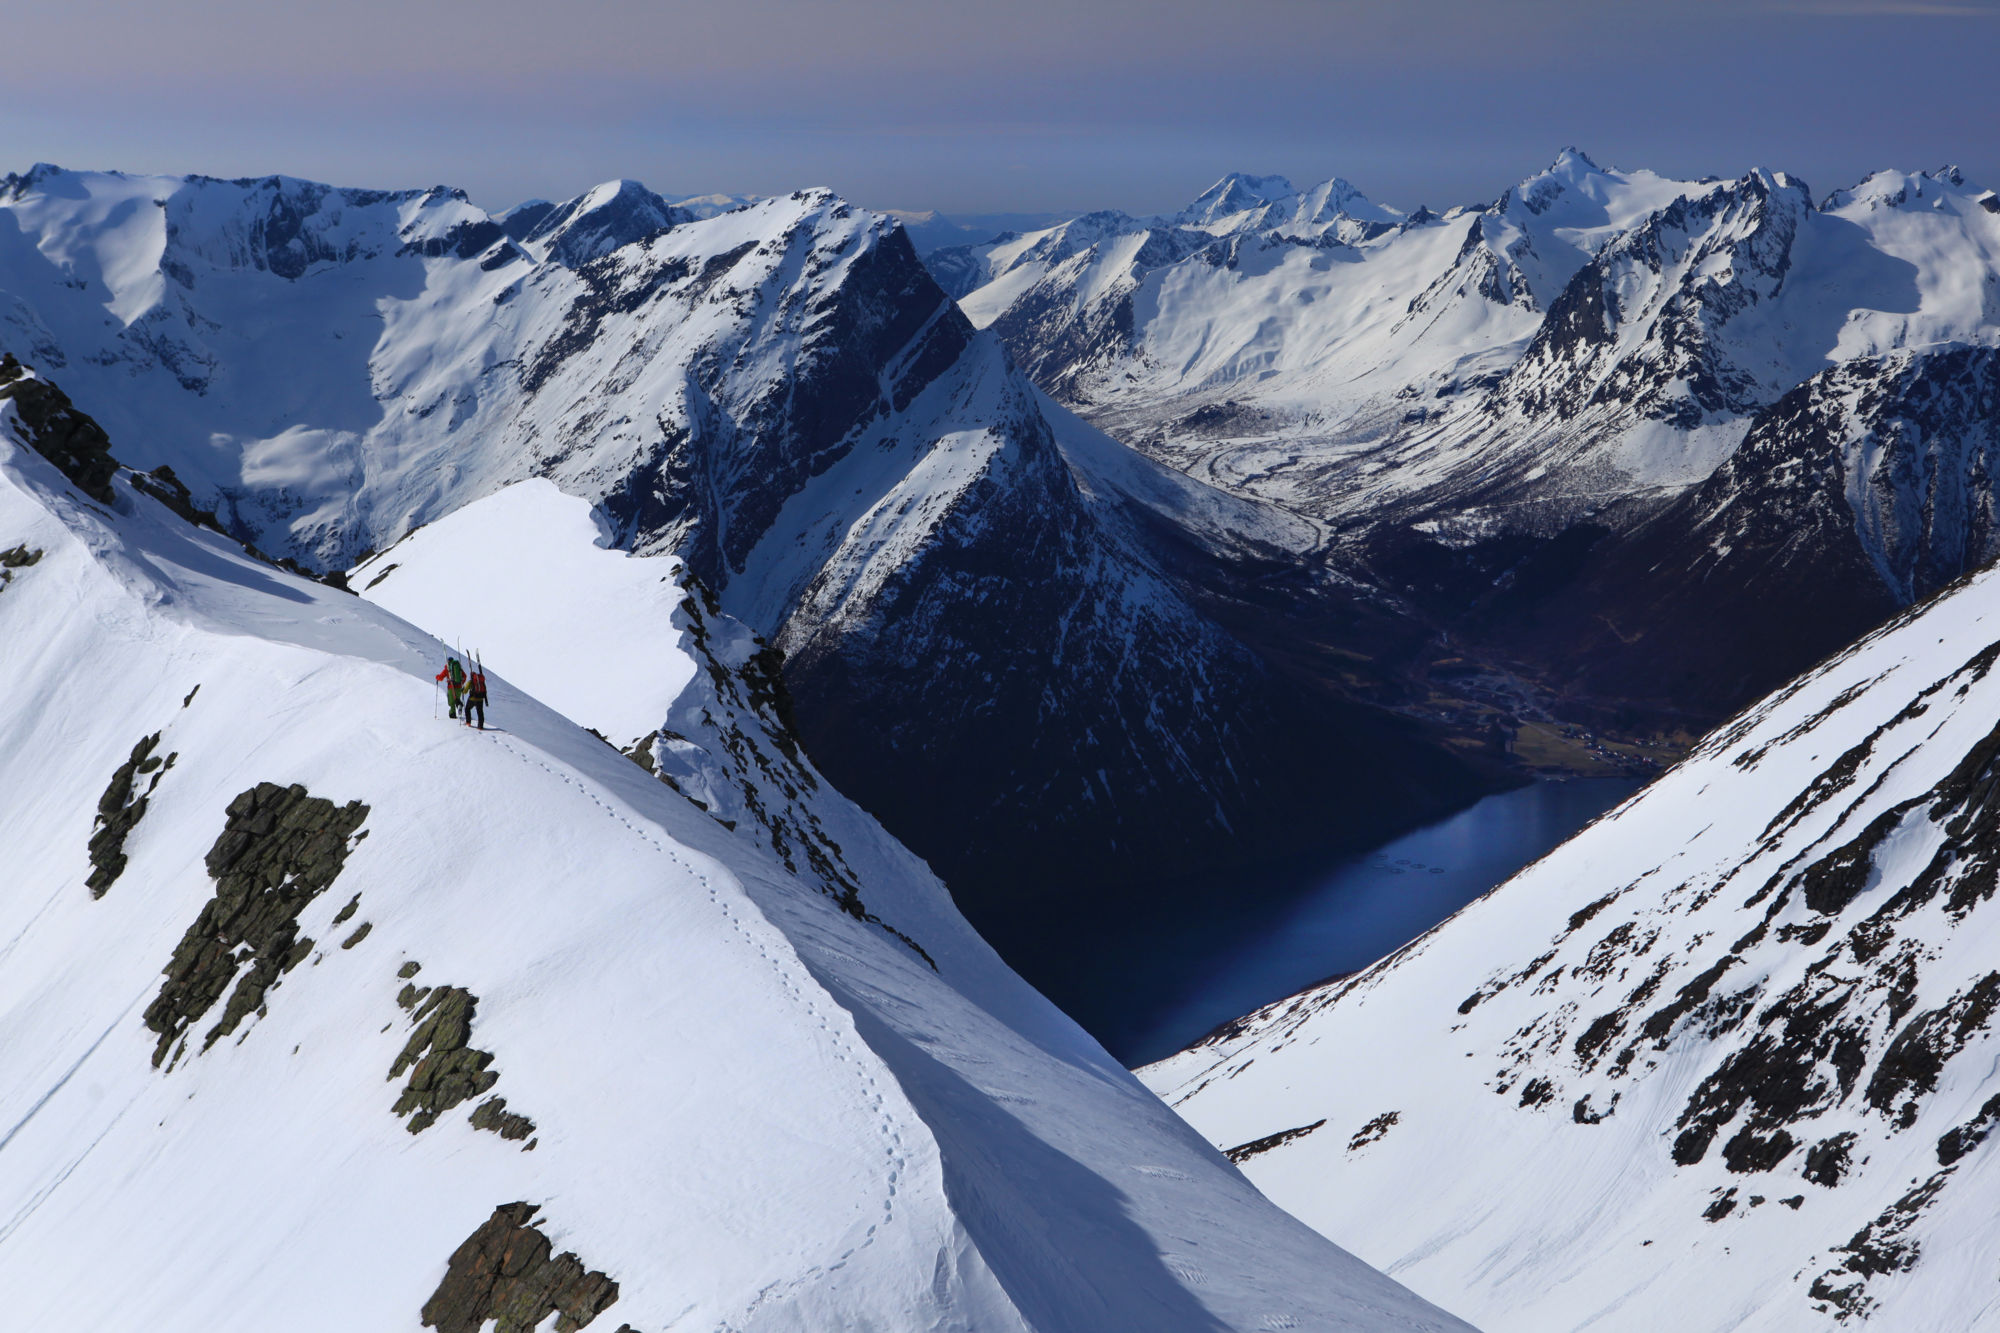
{"x": 1866, "y": 488}
{"x": 979, "y": 645}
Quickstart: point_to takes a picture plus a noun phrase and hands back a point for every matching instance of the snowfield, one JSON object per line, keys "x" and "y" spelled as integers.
{"x": 1724, "y": 1060}
{"x": 748, "y": 1096}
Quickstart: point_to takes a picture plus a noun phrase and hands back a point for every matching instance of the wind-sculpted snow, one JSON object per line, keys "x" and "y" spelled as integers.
{"x": 1725, "y": 1059}
{"x": 753, "y": 1106}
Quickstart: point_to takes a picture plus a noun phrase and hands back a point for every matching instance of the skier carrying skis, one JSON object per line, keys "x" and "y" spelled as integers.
{"x": 475, "y": 696}
{"x": 453, "y": 677}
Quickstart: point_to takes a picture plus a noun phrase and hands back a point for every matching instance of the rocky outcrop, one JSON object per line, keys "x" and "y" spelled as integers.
{"x": 51, "y": 425}
{"x": 280, "y": 849}
{"x": 119, "y": 811}
{"x": 16, "y": 558}
{"x": 444, "y": 1067}
{"x": 507, "y": 1273}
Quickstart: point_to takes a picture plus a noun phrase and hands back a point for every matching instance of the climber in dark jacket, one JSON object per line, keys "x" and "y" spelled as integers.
{"x": 475, "y": 697}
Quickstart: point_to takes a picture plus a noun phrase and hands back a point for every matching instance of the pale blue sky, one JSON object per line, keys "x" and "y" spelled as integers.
{"x": 1010, "y": 104}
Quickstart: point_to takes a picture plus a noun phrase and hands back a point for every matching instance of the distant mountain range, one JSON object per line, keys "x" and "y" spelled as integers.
{"x": 1629, "y": 449}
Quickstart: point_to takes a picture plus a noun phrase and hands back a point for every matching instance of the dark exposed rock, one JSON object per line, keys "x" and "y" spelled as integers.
{"x": 1962, "y": 1139}
{"x": 1583, "y": 1113}
{"x": 1914, "y": 1058}
{"x": 1537, "y": 1092}
{"x": 1373, "y": 1130}
{"x": 341, "y": 917}
{"x": 1662, "y": 1020}
{"x": 445, "y": 1069}
{"x": 16, "y": 557}
{"x": 1724, "y": 1204}
{"x": 409, "y": 969}
{"x": 493, "y": 1114}
{"x": 360, "y": 934}
{"x": 1827, "y": 1160}
{"x": 1243, "y": 1152}
{"x": 1883, "y": 1246}
{"x": 280, "y": 849}
{"x": 119, "y": 812}
{"x": 52, "y": 426}
{"x": 1836, "y": 879}
{"x": 169, "y": 490}
{"x": 506, "y": 1272}
{"x": 1750, "y": 1151}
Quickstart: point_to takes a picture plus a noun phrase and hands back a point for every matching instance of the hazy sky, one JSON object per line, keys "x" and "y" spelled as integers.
{"x": 1005, "y": 105}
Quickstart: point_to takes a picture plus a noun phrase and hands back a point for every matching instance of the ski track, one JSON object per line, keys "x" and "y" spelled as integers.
{"x": 58, "y": 1085}
{"x": 42, "y": 1195}
{"x": 844, "y": 1046}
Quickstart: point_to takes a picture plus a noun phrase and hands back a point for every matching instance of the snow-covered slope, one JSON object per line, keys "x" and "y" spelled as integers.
{"x": 779, "y": 394}
{"x": 1724, "y": 1060}
{"x": 494, "y": 996}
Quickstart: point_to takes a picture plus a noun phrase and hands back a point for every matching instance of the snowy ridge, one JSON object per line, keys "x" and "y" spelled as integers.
{"x": 733, "y": 1099}
{"x": 1728, "y": 1053}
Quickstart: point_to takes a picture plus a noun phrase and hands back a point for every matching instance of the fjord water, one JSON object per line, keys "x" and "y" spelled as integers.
{"x": 1202, "y": 952}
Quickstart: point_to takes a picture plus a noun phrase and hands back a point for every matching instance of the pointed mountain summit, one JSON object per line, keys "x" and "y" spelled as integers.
{"x": 592, "y": 225}
{"x": 1233, "y": 194}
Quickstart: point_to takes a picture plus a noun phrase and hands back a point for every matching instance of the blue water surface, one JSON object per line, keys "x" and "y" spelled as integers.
{"x": 1233, "y": 947}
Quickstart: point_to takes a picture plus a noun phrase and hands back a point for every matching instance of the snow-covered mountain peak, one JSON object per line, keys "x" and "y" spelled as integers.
{"x": 1235, "y": 193}
{"x": 708, "y": 205}
{"x": 1336, "y": 198}
{"x": 592, "y": 225}
{"x": 1239, "y": 205}
{"x": 1586, "y": 203}
{"x": 1903, "y": 189}
{"x": 1573, "y": 162}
